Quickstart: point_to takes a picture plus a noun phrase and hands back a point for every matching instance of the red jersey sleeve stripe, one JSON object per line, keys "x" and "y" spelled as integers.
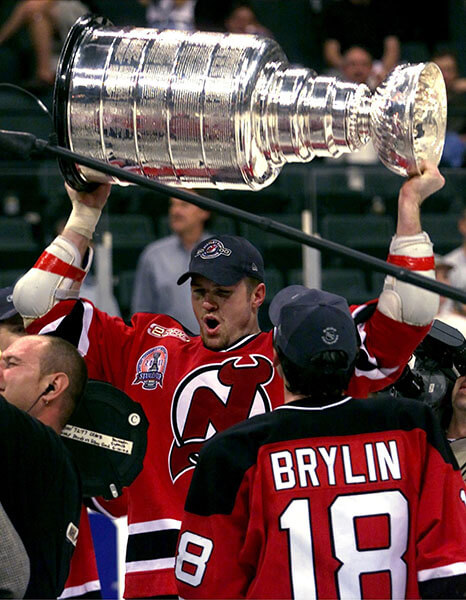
{"x": 421, "y": 263}
{"x": 52, "y": 264}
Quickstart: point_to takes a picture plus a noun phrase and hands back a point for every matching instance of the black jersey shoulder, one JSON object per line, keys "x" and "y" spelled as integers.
{"x": 70, "y": 328}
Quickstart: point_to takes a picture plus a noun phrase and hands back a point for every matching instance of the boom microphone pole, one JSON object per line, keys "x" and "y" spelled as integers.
{"x": 24, "y": 145}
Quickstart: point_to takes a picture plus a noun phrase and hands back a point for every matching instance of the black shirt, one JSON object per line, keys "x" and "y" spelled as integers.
{"x": 41, "y": 494}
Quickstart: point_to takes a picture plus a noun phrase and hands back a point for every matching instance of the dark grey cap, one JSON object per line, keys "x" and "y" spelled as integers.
{"x": 225, "y": 259}
{"x": 7, "y": 308}
{"x": 307, "y": 322}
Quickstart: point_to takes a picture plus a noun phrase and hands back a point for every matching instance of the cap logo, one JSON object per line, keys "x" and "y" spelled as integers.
{"x": 9, "y": 298}
{"x": 330, "y": 335}
{"x": 254, "y": 267}
{"x": 213, "y": 249}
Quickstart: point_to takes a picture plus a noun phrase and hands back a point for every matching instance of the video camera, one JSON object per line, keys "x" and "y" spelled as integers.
{"x": 437, "y": 363}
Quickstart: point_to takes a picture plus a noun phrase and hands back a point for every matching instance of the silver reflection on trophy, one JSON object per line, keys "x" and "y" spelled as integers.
{"x": 408, "y": 117}
{"x": 228, "y": 111}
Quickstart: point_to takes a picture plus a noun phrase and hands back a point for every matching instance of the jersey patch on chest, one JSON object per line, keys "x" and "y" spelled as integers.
{"x": 151, "y": 367}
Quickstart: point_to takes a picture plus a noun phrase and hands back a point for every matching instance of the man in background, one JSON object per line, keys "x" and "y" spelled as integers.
{"x": 163, "y": 261}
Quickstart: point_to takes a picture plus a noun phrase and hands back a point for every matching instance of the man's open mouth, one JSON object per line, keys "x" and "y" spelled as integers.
{"x": 211, "y": 323}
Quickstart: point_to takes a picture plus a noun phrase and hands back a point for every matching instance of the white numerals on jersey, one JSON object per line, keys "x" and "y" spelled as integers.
{"x": 343, "y": 512}
{"x": 196, "y": 561}
{"x": 296, "y": 519}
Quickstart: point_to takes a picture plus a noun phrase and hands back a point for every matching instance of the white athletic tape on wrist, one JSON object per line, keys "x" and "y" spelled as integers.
{"x": 414, "y": 246}
{"x": 50, "y": 279}
{"x": 402, "y": 301}
{"x": 83, "y": 219}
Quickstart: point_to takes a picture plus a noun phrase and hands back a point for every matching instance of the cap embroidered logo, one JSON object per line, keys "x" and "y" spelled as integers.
{"x": 213, "y": 249}
{"x": 330, "y": 335}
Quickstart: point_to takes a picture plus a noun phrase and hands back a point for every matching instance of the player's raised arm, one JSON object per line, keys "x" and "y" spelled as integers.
{"x": 59, "y": 271}
{"x": 390, "y": 334}
{"x": 412, "y": 249}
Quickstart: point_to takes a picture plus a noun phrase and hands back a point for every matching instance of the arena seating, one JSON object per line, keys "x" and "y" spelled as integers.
{"x": 18, "y": 248}
{"x": 367, "y": 233}
{"x": 124, "y": 285}
{"x": 10, "y": 276}
{"x": 130, "y": 235}
{"x": 443, "y": 231}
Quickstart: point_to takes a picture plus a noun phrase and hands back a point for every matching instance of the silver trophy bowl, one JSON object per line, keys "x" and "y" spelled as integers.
{"x": 212, "y": 110}
{"x": 409, "y": 116}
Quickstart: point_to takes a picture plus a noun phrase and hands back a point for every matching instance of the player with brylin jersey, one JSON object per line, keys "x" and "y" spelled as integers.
{"x": 194, "y": 386}
{"x": 326, "y": 496}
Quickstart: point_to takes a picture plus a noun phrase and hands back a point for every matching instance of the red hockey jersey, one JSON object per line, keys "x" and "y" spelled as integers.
{"x": 355, "y": 499}
{"x": 189, "y": 393}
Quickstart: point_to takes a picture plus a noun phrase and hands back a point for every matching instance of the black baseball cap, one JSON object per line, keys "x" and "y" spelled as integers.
{"x": 110, "y": 459}
{"x": 225, "y": 259}
{"x": 307, "y": 322}
{"x": 7, "y": 308}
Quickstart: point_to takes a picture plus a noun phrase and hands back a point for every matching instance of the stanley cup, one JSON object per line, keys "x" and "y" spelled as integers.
{"x": 212, "y": 110}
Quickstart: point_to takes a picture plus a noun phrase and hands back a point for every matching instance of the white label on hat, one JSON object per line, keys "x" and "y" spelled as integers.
{"x": 330, "y": 335}
{"x": 94, "y": 438}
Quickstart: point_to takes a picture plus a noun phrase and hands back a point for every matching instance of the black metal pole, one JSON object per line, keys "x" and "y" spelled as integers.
{"x": 35, "y": 145}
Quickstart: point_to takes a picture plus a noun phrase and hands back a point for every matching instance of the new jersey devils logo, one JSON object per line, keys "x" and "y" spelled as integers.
{"x": 213, "y": 398}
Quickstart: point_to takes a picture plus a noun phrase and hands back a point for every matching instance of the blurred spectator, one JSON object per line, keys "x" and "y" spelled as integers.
{"x": 357, "y": 66}
{"x": 366, "y": 23}
{"x": 45, "y": 20}
{"x": 451, "y": 312}
{"x": 170, "y": 14}
{"x": 163, "y": 261}
{"x": 447, "y": 61}
{"x": 457, "y": 257}
{"x": 454, "y": 153}
{"x": 233, "y": 16}
{"x": 456, "y": 428}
